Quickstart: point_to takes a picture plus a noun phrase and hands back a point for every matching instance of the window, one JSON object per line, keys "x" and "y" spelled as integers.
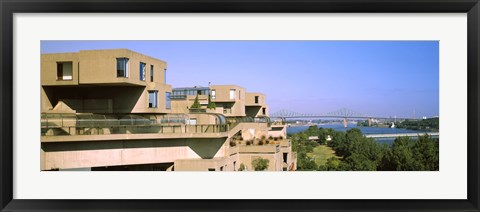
{"x": 213, "y": 94}
{"x": 164, "y": 76}
{"x": 192, "y": 121}
{"x": 142, "y": 71}
{"x": 232, "y": 93}
{"x": 64, "y": 71}
{"x": 256, "y": 99}
{"x": 264, "y": 111}
{"x": 152, "y": 99}
{"x": 211, "y": 169}
{"x": 227, "y": 108}
{"x": 151, "y": 73}
{"x": 122, "y": 67}
{"x": 167, "y": 101}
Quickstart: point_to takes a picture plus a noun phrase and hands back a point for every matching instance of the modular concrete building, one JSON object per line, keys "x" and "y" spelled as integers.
{"x": 113, "y": 110}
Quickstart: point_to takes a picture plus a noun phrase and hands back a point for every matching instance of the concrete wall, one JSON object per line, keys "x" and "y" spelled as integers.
{"x": 65, "y": 155}
{"x": 250, "y": 99}
{"x": 222, "y": 99}
{"x": 48, "y": 68}
{"x": 100, "y": 66}
{"x": 141, "y": 106}
{"x": 124, "y": 99}
{"x": 203, "y": 118}
{"x": 95, "y": 79}
{"x": 251, "y": 153}
{"x": 183, "y": 105}
{"x": 256, "y": 109}
{"x": 278, "y": 130}
{"x": 217, "y": 164}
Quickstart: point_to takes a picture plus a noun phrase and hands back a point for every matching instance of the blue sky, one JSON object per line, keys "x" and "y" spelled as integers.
{"x": 380, "y": 78}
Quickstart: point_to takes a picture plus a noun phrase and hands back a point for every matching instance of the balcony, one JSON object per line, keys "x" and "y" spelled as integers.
{"x": 71, "y": 124}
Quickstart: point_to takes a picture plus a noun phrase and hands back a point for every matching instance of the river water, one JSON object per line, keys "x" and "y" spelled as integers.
{"x": 365, "y": 130}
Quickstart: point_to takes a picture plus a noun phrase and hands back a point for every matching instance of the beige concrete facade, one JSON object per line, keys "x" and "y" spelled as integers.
{"x": 229, "y": 98}
{"x": 95, "y": 87}
{"x": 255, "y": 105}
{"x": 98, "y": 112}
{"x": 183, "y": 105}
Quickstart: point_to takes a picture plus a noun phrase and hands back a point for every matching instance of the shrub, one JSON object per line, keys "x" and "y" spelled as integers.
{"x": 260, "y": 142}
{"x": 267, "y": 141}
{"x": 270, "y": 137}
{"x": 248, "y": 142}
{"x": 233, "y": 143}
{"x": 280, "y": 137}
{"x": 263, "y": 137}
{"x": 260, "y": 164}
{"x": 242, "y": 167}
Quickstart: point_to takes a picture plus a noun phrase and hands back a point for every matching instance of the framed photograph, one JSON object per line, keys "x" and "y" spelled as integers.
{"x": 256, "y": 106}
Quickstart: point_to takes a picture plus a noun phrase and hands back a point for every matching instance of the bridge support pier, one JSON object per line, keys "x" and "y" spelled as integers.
{"x": 369, "y": 122}
{"x": 345, "y": 124}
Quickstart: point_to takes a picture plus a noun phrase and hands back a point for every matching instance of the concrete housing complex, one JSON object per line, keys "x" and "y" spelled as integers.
{"x": 113, "y": 110}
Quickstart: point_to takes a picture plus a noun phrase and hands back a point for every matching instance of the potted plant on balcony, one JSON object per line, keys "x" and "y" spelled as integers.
{"x": 196, "y": 107}
{"x": 260, "y": 142}
{"x": 211, "y": 105}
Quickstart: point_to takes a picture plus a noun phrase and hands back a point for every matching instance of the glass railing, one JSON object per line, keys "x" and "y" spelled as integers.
{"x": 134, "y": 129}
{"x": 96, "y": 124}
{"x": 233, "y": 121}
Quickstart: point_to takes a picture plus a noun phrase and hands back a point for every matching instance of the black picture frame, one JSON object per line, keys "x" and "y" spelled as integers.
{"x": 10, "y": 7}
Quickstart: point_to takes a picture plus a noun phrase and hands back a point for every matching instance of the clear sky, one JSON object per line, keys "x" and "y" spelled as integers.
{"x": 378, "y": 78}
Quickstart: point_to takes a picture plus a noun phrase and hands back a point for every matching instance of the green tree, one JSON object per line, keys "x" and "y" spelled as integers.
{"x": 359, "y": 162}
{"x": 196, "y": 103}
{"x": 426, "y": 152}
{"x": 211, "y": 105}
{"x": 402, "y": 157}
{"x": 333, "y": 164}
{"x": 260, "y": 164}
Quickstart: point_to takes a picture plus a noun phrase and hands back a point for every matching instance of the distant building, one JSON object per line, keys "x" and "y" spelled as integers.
{"x": 113, "y": 110}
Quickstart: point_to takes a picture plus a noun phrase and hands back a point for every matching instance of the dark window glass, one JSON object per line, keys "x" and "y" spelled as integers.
{"x": 122, "y": 67}
{"x": 151, "y": 73}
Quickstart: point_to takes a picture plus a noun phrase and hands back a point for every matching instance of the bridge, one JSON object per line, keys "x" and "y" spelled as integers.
{"x": 343, "y": 113}
{"x": 401, "y": 134}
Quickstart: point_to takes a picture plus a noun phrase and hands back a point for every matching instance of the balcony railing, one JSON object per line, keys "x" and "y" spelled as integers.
{"x": 70, "y": 124}
{"x": 133, "y": 129}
